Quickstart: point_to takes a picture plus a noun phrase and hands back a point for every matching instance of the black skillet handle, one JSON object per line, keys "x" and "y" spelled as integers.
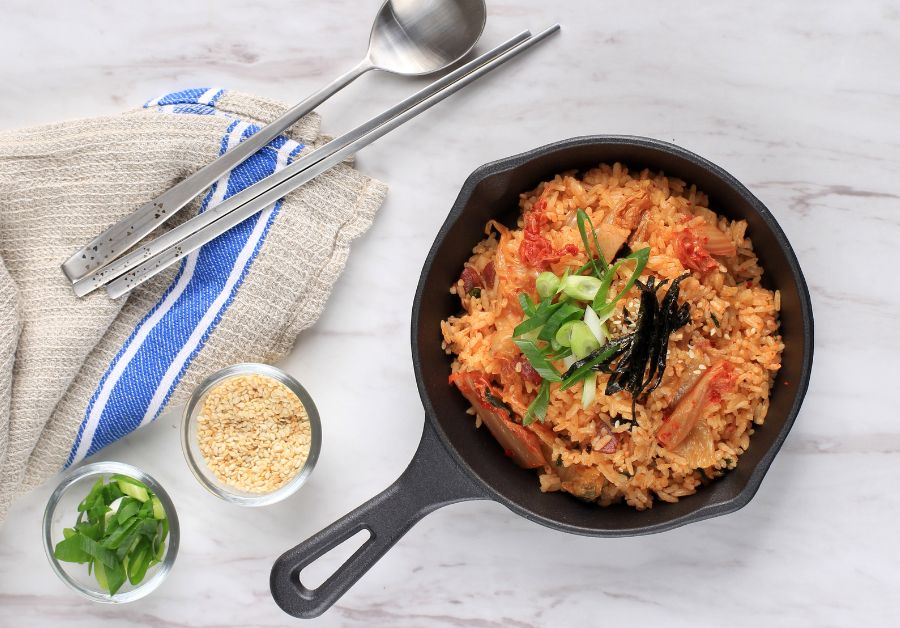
{"x": 430, "y": 481}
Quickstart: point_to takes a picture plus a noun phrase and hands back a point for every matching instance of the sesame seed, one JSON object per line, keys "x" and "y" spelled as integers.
{"x": 254, "y": 433}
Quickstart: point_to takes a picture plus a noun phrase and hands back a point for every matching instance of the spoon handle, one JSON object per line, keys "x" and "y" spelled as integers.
{"x": 119, "y": 238}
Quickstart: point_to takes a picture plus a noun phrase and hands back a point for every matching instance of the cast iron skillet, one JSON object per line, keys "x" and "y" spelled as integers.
{"x": 457, "y": 462}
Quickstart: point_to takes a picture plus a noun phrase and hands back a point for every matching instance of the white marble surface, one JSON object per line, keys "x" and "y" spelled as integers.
{"x": 798, "y": 100}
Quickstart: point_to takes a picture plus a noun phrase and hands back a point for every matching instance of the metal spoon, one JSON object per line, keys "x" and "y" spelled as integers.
{"x": 409, "y": 38}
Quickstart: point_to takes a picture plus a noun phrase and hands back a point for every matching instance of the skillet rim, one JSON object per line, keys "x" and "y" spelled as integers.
{"x": 709, "y": 510}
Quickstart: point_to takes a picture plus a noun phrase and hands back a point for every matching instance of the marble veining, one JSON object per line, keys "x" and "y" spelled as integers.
{"x": 798, "y": 100}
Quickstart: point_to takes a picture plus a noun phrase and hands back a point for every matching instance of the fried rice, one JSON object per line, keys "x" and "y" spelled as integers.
{"x": 599, "y": 453}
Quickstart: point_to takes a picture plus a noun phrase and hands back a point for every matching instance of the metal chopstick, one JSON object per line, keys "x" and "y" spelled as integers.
{"x": 222, "y": 218}
{"x": 119, "y": 238}
{"x": 108, "y": 272}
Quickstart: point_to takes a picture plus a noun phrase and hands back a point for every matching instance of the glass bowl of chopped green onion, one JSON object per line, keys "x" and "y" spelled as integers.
{"x": 110, "y": 532}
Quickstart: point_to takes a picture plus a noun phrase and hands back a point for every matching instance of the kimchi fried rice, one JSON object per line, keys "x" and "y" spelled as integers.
{"x": 720, "y": 364}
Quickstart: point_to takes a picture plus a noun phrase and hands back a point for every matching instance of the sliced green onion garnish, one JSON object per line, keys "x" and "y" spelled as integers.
{"x": 581, "y": 218}
{"x": 587, "y": 367}
{"x": 582, "y": 340}
{"x": 537, "y": 360}
{"x": 526, "y": 303}
{"x": 564, "y": 333}
{"x": 541, "y": 313}
{"x": 581, "y": 287}
{"x": 605, "y": 309}
{"x": 589, "y": 392}
{"x": 595, "y": 325}
{"x": 537, "y": 409}
{"x": 565, "y": 274}
{"x": 566, "y": 312}
{"x": 546, "y": 284}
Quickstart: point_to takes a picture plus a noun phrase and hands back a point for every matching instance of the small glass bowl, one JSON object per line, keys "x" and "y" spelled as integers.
{"x": 191, "y": 447}
{"x": 62, "y": 511}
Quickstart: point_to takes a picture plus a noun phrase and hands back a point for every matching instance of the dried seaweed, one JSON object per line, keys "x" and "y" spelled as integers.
{"x": 636, "y": 361}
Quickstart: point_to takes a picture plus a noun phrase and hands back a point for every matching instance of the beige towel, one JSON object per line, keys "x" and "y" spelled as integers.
{"x": 76, "y": 374}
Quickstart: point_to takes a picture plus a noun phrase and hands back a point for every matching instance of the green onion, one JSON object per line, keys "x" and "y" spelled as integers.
{"x": 582, "y": 339}
{"x": 579, "y": 373}
{"x": 567, "y": 312}
{"x": 537, "y": 409}
{"x": 538, "y": 360}
{"x": 581, "y": 287}
{"x": 538, "y": 317}
{"x": 583, "y": 218}
{"x": 557, "y": 353}
{"x": 600, "y": 257}
{"x": 595, "y": 325}
{"x": 529, "y": 324}
{"x": 604, "y": 310}
{"x": 564, "y": 334}
{"x": 526, "y": 303}
{"x": 589, "y": 392}
{"x": 546, "y": 284}
{"x": 116, "y": 544}
{"x": 565, "y": 274}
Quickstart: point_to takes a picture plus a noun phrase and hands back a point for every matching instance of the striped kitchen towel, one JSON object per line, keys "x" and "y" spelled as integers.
{"x": 78, "y": 374}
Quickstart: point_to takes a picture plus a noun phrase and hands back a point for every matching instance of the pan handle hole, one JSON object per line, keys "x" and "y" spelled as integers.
{"x": 314, "y": 574}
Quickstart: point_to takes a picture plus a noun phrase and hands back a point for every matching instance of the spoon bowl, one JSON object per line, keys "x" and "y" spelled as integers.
{"x": 418, "y": 37}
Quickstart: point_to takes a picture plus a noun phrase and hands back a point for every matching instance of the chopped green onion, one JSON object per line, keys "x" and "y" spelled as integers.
{"x": 604, "y": 310}
{"x": 564, "y": 333}
{"x": 581, "y": 287}
{"x": 595, "y": 325}
{"x": 565, "y": 274}
{"x": 600, "y": 257}
{"x": 579, "y": 373}
{"x": 581, "y": 218}
{"x": 546, "y": 284}
{"x": 526, "y": 303}
{"x": 116, "y": 543}
{"x": 589, "y": 392}
{"x": 539, "y": 316}
{"x": 529, "y": 324}
{"x": 538, "y": 360}
{"x": 537, "y": 409}
{"x": 567, "y": 312}
{"x": 560, "y": 354}
{"x": 582, "y": 340}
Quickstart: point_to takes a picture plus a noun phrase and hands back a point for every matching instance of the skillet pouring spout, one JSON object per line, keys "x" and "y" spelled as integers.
{"x": 430, "y": 481}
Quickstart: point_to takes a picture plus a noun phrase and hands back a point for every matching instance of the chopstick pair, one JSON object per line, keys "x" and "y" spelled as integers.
{"x": 125, "y": 273}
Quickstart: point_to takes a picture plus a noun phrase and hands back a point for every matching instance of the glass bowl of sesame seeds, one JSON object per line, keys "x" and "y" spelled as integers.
{"x": 251, "y": 434}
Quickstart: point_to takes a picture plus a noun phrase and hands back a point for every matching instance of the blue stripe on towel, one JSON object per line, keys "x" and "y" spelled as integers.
{"x": 199, "y": 95}
{"x": 145, "y": 371}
